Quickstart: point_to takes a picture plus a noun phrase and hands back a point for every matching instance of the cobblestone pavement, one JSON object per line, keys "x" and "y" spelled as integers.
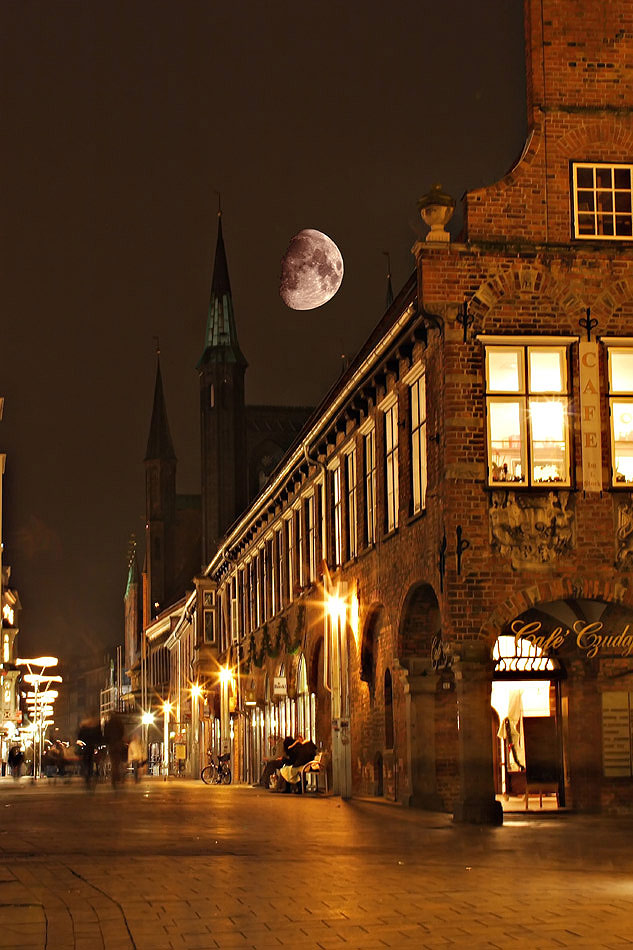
{"x": 182, "y": 865}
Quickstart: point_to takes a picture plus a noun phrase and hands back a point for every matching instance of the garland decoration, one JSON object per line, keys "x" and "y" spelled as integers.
{"x": 282, "y": 639}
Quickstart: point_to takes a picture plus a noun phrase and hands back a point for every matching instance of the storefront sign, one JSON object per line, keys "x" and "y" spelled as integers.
{"x": 279, "y": 686}
{"x": 588, "y": 637}
{"x": 617, "y": 733}
{"x": 590, "y": 429}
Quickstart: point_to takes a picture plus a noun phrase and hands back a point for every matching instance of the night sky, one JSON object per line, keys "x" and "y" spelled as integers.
{"x": 121, "y": 119}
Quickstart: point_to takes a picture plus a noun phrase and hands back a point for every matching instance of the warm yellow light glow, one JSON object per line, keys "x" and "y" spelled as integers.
{"x": 40, "y": 678}
{"x": 147, "y": 718}
{"x": 196, "y": 691}
{"x": 166, "y": 706}
{"x": 354, "y": 616}
{"x": 7, "y": 613}
{"x": 39, "y": 661}
{"x": 226, "y": 674}
{"x": 336, "y": 608}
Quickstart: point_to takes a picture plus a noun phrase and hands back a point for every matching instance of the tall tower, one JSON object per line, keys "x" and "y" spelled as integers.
{"x": 222, "y": 417}
{"x": 160, "y": 501}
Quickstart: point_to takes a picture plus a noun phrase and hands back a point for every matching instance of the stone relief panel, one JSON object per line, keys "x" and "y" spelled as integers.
{"x": 624, "y": 532}
{"x": 532, "y": 530}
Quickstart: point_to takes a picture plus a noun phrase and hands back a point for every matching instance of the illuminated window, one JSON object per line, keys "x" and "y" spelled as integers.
{"x": 391, "y": 466}
{"x": 5, "y": 649}
{"x": 418, "y": 444}
{"x": 621, "y": 413}
{"x": 299, "y": 537}
{"x": 602, "y": 201}
{"x": 310, "y": 538}
{"x": 370, "y": 487}
{"x": 280, "y": 569}
{"x": 290, "y": 574}
{"x": 338, "y": 516}
{"x": 527, "y": 408}
{"x": 350, "y": 478}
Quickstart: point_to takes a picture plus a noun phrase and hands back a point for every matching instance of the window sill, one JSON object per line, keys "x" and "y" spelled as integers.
{"x": 390, "y": 534}
{"x": 416, "y": 517}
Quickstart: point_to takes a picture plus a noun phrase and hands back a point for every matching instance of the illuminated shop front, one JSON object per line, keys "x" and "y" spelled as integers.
{"x": 562, "y": 707}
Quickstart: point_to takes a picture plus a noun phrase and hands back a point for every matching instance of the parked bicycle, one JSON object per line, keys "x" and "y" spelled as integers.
{"x": 218, "y": 771}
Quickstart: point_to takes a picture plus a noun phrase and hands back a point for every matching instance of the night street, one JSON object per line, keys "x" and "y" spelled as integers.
{"x": 185, "y": 865}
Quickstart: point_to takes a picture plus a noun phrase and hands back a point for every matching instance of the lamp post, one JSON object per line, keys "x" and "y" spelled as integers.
{"x": 226, "y": 677}
{"x": 196, "y": 694}
{"x": 336, "y": 639}
{"x": 36, "y": 679}
{"x": 166, "y": 711}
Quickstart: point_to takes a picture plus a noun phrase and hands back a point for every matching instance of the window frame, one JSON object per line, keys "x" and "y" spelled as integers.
{"x": 389, "y": 410}
{"x": 575, "y": 166}
{"x": 617, "y": 396}
{"x": 524, "y": 397}
{"x": 418, "y": 441}
{"x": 337, "y": 514}
{"x": 351, "y": 476}
{"x": 369, "y": 484}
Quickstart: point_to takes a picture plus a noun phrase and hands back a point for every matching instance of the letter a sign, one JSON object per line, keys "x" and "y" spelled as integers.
{"x": 590, "y": 428}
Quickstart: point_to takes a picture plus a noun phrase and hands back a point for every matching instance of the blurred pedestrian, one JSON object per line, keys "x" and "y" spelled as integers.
{"x": 16, "y": 758}
{"x": 113, "y": 734}
{"x": 89, "y": 738}
{"x": 136, "y": 756}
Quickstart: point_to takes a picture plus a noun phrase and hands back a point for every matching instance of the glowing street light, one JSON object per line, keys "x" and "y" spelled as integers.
{"x": 196, "y": 695}
{"x": 35, "y": 679}
{"x": 147, "y": 718}
{"x": 166, "y": 712}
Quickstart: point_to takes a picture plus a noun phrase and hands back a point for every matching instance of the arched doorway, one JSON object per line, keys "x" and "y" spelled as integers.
{"x": 528, "y": 754}
{"x": 306, "y": 703}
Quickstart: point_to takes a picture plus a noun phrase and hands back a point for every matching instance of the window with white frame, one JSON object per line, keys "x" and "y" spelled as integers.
{"x": 258, "y": 589}
{"x": 417, "y": 391}
{"x": 391, "y": 465}
{"x": 265, "y": 583}
{"x": 350, "y": 484}
{"x": 299, "y": 545}
{"x": 279, "y": 535}
{"x": 310, "y": 538}
{"x": 369, "y": 446}
{"x": 621, "y": 413}
{"x": 337, "y": 502}
{"x": 290, "y": 571}
{"x": 241, "y": 586}
{"x": 528, "y": 415}
{"x": 602, "y": 195}
{"x": 252, "y": 593}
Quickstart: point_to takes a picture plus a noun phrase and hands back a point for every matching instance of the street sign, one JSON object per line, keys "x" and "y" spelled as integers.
{"x": 280, "y": 687}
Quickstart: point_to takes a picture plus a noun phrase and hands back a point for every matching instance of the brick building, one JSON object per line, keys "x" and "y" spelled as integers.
{"x": 436, "y": 579}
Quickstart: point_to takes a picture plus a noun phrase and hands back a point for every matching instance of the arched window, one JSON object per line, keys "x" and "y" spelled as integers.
{"x": 368, "y": 649}
{"x": 388, "y": 711}
{"x": 306, "y": 703}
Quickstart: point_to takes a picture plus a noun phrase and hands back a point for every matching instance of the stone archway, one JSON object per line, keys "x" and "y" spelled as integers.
{"x": 419, "y": 629}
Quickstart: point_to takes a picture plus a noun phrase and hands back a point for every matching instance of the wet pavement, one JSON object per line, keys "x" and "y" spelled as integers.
{"x": 184, "y": 865}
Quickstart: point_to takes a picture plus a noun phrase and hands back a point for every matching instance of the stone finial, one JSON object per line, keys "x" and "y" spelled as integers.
{"x": 436, "y": 209}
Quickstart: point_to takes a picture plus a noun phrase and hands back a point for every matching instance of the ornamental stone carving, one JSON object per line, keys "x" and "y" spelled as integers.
{"x": 624, "y": 533}
{"x": 532, "y": 530}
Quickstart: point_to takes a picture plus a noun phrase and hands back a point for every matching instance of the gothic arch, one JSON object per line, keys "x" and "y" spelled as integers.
{"x": 546, "y": 591}
{"x": 420, "y": 621}
{"x": 369, "y": 645}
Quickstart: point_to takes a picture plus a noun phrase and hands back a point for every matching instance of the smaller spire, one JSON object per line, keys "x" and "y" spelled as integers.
{"x": 159, "y": 444}
{"x": 132, "y": 564}
{"x": 389, "y": 296}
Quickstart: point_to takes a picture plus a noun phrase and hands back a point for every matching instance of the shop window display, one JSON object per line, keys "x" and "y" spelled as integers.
{"x": 621, "y": 414}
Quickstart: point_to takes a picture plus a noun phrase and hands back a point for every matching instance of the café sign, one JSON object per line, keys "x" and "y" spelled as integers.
{"x": 590, "y": 638}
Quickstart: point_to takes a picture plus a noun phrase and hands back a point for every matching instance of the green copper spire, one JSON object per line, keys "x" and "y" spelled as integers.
{"x": 220, "y": 343}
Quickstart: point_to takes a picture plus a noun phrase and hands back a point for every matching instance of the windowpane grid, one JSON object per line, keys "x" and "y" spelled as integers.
{"x": 391, "y": 460}
{"x": 370, "y": 486}
{"x": 418, "y": 443}
{"x": 603, "y": 200}
{"x": 352, "y": 541}
{"x": 336, "y": 493}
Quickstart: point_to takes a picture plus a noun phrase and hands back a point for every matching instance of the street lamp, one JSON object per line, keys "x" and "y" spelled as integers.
{"x": 166, "y": 712}
{"x": 196, "y": 695}
{"x": 36, "y": 680}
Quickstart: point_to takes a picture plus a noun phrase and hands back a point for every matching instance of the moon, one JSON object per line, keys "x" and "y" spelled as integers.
{"x": 311, "y": 270}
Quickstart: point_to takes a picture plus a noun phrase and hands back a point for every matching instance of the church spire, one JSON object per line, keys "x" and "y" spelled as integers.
{"x": 159, "y": 444}
{"x": 389, "y": 295}
{"x": 220, "y": 342}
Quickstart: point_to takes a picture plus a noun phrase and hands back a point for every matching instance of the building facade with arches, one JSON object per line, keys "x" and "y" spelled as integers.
{"x": 436, "y": 581}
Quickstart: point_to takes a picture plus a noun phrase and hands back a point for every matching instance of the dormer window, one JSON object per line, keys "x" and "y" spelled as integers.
{"x": 603, "y": 200}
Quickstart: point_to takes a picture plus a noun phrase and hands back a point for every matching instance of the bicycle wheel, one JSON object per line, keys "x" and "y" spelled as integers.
{"x": 208, "y": 774}
{"x": 226, "y": 776}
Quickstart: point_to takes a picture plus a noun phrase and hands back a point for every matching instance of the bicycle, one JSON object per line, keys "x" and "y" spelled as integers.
{"x": 217, "y": 772}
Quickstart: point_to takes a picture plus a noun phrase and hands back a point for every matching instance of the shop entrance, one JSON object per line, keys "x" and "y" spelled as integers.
{"x": 527, "y": 729}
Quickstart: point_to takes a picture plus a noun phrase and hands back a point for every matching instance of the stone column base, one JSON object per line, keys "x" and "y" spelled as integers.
{"x": 479, "y": 812}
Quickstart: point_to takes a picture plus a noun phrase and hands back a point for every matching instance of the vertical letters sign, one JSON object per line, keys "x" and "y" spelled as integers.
{"x": 590, "y": 427}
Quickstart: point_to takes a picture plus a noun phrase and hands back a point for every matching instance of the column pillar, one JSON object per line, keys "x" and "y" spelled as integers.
{"x": 585, "y": 737}
{"x": 422, "y": 683}
{"x": 473, "y": 684}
